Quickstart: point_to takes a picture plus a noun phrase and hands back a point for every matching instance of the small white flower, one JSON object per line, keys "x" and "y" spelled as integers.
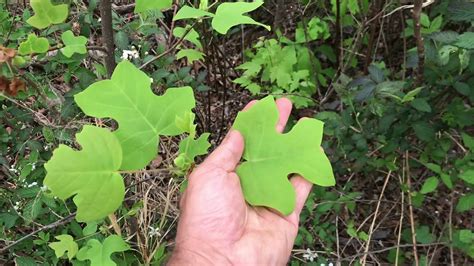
{"x": 44, "y": 188}
{"x": 139, "y": 46}
{"x": 147, "y": 53}
{"x": 99, "y": 20}
{"x": 310, "y": 255}
{"x": 330, "y": 264}
{"x": 151, "y": 80}
{"x": 13, "y": 170}
{"x": 33, "y": 167}
{"x": 154, "y": 231}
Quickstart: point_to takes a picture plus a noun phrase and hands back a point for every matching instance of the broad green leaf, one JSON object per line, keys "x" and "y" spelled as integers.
{"x": 189, "y": 148}
{"x": 465, "y": 203}
{"x": 191, "y": 55}
{"x": 46, "y": 13}
{"x": 141, "y": 115}
{"x": 89, "y": 175}
{"x": 187, "y": 12}
{"x": 468, "y": 141}
{"x": 229, "y": 15}
{"x": 466, "y": 236}
{"x": 421, "y": 104}
{"x": 146, "y": 5}
{"x": 99, "y": 253}
{"x": 203, "y": 4}
{"x": 466, "y": 40}
{"x": 423, "y": 235}
{"x": 468, "y": 176}
{"x": 192, "y": 36}
{"x": 270, "y": 156}
{"x": 73, "y": 44}
{"x": 65, "y": 244}
{"x": 186, "y": 123}
{"x": 430, "y": 185}
{"x": 33, "y": 45}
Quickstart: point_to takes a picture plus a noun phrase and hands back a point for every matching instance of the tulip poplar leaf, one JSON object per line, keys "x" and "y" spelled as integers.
{"x": 269, "y": 157}
{"x": 89, "y": 175}
{"x": 229, "y": 15}
{"x": 142, "y": 116}
{"x": 73, "y": 44}
{"x": 147, "y": 5}
{"x": 33, "y": 44}
{"x": 66, "y": 244}
{"x": 99, "y": 253}
{"x": 46, "y": 13}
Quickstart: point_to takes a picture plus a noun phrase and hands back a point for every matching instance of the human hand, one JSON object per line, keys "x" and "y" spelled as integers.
{"x": 216, "y": 224}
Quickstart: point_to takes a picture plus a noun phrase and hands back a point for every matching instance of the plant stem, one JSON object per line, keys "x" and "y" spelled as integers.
{"x": 108, "y": 35}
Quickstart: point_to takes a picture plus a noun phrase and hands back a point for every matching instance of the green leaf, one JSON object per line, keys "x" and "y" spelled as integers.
{"x": 410, "y": 96}
{"x": 270, "y": 156}
{"x": 466, "y": 40}
{"x": 468, "y": 176}
{"x": 90, "y": 175}
{"x": 142, "y": 116}
{"x": 192, "y": 36}
{"x": 229, "y": 15}
{"x": 468, "y": 141}
{"x": 465, "y": 203}
{"x": 33, "y": 45}
{"x": 99, "y": 253}
{"x": 430, "y": 185}
{"x": 73, "y": 44}
{"x": 65, "y": 244}
{"x": 424, "y": 131}
{"x": 466, "y": 236}
{"x": 421, "y": 104}
{"x": 446, "y": 180}
{"x": 187, "y": 12}
{"x": 190, "y": 148}
{"x": 191, "y": 55}
{"x": 46, "y": 13}
{"x": 146, "y": 5}
{"x": 423, "y": 235}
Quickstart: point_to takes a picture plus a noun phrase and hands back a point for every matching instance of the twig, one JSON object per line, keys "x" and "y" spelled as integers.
{"x": 419, "y": 40}
{"x": 410, "y": 208}
{"x": 425, "y": 4}
{"x": 390, "y": 248}
{"x": 402, "y": 210}
{"x": 371, "y": 230}
{"x": 450, "y": 230}
{"x": 171, "y": 49}
{"x": 63, "y": 221}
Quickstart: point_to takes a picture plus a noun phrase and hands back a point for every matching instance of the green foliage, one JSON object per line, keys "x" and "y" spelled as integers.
{"x": 46, "y": 13}
{"x": 270, "y": 157}
{"x": 73, "y": 44}
{"x": 90, "y": 175}
{"x": 191, "y": 55}
{"x": 99, "y": 253}
{"x": 33, "y": 44}
{"x": 229, "y": 15}
{"x": 66, "y": 244}
{"x": 130, "y": 102}
{"x": 147, "y": 5}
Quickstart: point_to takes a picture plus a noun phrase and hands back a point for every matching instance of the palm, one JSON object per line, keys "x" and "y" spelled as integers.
{"x": 214, "y": 211}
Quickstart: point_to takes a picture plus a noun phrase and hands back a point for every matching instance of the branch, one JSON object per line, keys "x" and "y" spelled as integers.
{"x": 63, "y": 221}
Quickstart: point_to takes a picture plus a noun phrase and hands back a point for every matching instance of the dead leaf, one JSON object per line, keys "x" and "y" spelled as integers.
{"x": 6, "y": 54}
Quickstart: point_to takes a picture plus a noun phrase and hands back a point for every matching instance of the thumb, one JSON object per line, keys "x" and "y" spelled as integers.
{"x": 227, "y": 155}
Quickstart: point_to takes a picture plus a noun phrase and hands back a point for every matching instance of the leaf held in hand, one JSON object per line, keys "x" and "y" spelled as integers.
{"x": 90, "y": 174}
{"x": 270, "y": 157}
{"x": 142, "y": 115}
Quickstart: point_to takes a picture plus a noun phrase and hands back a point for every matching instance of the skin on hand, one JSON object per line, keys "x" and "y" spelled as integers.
{"x": 218, "y": 227}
